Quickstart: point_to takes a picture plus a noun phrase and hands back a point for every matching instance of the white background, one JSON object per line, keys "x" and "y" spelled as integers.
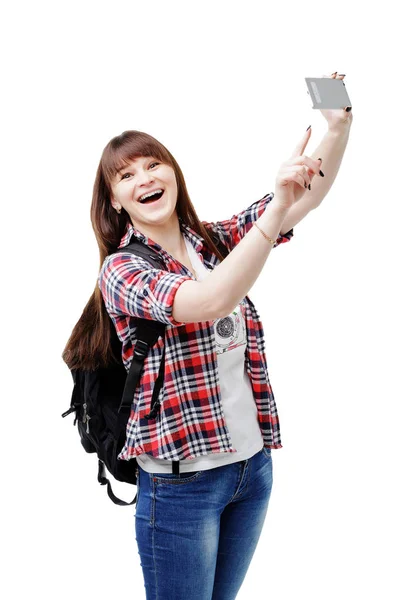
{"x": 221, "y": 84}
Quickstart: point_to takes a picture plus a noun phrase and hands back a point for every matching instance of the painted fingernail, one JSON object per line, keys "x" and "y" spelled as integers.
{"x": 341, "y": 75}
{"x": 335, "y": 73}
{"x": 309, "y": 186}
{"x": 348, "y": 109}
{"x": 308, "y": 127}
{"x": 321, "y": 173}
{"x": 305, "y": 185}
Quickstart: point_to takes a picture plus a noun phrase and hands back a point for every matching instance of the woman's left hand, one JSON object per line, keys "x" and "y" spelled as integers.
{"x": 338, "y": 119}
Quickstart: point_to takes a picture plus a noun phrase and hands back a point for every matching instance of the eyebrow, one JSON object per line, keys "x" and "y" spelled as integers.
{"x": 123, "y": 169}
{"x": 130, "y": 166}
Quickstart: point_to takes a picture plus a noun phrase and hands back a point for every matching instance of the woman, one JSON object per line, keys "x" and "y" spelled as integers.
{"x": 204, "y": 463}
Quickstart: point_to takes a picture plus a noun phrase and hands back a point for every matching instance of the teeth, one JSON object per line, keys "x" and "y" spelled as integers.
{"x": 149, "y": 194}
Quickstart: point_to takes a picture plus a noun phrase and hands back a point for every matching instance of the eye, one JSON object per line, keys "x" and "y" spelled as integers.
{"x": 151, "y": 164}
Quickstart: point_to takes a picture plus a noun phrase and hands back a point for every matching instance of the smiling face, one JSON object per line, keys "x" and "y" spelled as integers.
{"x": 143, "y": 175}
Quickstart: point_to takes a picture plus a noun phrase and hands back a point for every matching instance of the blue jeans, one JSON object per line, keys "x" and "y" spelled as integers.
{"x": 197, "y": 532}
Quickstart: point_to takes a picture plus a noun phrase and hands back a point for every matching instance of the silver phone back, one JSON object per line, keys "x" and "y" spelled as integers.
{"x": 327, "y": 93}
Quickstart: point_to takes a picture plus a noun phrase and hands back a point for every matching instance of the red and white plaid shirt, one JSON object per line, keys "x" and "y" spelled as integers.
{"x": 190, "y": 420}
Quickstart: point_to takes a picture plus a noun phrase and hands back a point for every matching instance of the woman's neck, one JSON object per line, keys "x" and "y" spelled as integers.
{"x": 168, "y": 235}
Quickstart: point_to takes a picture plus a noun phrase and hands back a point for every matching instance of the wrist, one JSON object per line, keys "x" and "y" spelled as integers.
{"x": 339, "y": 130}
{"x": 277, "y": 207}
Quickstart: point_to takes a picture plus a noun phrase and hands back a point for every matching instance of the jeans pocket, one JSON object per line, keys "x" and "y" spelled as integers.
{"x": 173, "y": 479}
{"x": 267, "y": 452}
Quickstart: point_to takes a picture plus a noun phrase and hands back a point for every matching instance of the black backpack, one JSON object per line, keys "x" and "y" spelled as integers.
{"x": 102, "y": 399}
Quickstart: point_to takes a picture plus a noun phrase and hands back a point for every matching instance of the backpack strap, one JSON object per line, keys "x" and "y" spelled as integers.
{"x": 148, "y": 333}
{"x": 102, "y": 479}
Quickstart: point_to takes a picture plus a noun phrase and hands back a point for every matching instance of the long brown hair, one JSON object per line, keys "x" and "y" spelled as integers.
{"x": 89, "y": 345}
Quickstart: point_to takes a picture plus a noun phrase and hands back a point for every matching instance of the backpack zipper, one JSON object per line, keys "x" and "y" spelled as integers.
{"x": 86, "y": 417}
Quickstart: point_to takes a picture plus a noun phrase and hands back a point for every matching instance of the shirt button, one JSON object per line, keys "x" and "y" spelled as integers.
{"x": 145, "y": 292}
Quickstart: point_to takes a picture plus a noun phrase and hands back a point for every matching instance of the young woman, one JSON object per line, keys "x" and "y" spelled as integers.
{"x": 197, "y": 526}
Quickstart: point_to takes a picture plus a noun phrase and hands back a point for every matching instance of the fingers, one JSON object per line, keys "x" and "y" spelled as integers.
{"x": 301, "y": 146}
{"x": 302, "y": 179}
{"x": 299, "y": 174}
{"x": 299, "y": 170}
{"x": 313, "y": 165}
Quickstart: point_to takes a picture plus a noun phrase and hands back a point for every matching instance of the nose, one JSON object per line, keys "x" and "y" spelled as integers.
{"x": 145, "y": 177}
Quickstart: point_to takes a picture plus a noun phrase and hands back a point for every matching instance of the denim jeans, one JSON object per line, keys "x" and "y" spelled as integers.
{"x": 197, "y": 532}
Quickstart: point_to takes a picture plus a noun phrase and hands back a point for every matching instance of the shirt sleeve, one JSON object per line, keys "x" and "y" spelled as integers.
{"x": 232, "y": 230}
{"x": 131, "y": 286}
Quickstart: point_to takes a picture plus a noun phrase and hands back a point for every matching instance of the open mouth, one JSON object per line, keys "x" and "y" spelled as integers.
{"x": 153, "y": 198}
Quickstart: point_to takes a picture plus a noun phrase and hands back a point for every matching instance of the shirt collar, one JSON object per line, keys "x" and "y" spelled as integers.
{"x": 190, "y": 233}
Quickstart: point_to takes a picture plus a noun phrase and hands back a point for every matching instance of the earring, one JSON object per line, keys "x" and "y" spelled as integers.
{"x": 118, "y": 211}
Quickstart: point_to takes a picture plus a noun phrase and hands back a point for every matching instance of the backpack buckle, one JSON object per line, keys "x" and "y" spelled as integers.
{"x": 154, "y": 410}
{"x": 141, "y": 349}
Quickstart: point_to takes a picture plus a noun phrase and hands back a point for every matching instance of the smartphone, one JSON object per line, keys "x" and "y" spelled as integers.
{"x": 326, "y": 92}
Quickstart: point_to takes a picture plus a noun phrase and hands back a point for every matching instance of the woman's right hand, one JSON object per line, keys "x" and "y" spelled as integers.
{"x": 295, "y": 174}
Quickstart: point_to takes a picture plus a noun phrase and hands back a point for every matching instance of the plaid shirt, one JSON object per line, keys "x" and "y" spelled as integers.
{"x": 190, "y": 422}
